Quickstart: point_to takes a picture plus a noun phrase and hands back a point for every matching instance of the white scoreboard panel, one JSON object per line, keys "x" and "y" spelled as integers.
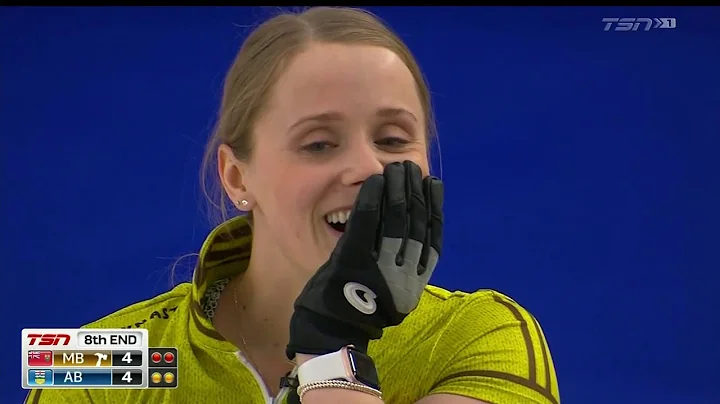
{"x": 95, "y": 359}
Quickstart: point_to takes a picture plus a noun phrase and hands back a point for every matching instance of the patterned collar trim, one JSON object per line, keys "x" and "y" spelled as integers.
{"x": 212, "y": 296}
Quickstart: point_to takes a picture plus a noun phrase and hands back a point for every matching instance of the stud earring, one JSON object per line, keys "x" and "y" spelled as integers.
{"x": 243, "y": 203}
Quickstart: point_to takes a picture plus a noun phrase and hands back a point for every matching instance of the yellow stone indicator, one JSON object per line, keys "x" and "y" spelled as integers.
{"x": 169, "y": 377}
{"x": 156, "y": 377}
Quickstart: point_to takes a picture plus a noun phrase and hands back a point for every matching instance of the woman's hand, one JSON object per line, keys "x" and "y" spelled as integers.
{"x": 379, "y": 268}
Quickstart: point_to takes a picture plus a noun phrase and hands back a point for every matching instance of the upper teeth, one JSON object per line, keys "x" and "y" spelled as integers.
{"x": 338, "y": 217}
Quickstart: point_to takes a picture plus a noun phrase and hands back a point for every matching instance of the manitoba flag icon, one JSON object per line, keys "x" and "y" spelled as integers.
{"x": 40, "y": 358}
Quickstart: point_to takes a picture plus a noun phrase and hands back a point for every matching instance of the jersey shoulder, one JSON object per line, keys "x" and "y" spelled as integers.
{"x": 433, "y": 315}
{"x": 407, "y": 348}
{"x": 481, "y": 345}
{"x": 494, "y": 350}
{"x": 157, "y": 314}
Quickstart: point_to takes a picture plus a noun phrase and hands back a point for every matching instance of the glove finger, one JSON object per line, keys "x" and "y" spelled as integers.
{"x": 395, "y": 210}
{"x": 365, "y": 217}
{"x": 432, "y": 247}
{"x": 437, "y": 198}
{"x": 417, "y": 216}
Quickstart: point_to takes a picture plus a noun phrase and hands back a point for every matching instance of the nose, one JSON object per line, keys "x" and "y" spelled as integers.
{"x": 362, "y": 161}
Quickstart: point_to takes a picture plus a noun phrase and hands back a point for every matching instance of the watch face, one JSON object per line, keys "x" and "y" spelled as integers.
{"x": 363, "y": 369}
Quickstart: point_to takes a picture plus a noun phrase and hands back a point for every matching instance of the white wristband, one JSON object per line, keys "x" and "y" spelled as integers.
{"x": 323, "y": 368}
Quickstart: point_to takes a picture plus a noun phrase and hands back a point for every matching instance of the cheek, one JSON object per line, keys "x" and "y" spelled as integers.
{"x": 425, "y": 166}
{"x": 420, "y": 158}
{"x": 295, "y": 196}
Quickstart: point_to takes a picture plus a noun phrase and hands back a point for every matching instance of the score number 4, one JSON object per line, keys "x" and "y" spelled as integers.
{"x": 127, "y": 358}
{"x": 127, "y": 377}
{"x": 122, "y": 377}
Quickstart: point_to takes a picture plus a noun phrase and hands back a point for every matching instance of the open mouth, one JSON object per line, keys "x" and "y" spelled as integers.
{"x": 338, "y": 220}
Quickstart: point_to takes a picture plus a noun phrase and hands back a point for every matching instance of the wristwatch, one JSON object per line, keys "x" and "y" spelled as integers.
{"x": 346, "y": 364}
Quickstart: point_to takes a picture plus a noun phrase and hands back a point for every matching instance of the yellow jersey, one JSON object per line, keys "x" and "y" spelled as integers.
{"x": 481, "y": 345}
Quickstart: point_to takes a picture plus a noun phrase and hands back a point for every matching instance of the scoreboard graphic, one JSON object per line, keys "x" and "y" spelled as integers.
{"x": 95, "y": 359}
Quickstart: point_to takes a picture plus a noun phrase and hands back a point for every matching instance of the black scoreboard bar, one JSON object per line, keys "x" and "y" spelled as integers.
{"x": 126, "y": 358}
{"x": 127, "y": 377}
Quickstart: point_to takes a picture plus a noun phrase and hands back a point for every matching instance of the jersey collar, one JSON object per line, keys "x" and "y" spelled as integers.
{"x": 224, "y": 254}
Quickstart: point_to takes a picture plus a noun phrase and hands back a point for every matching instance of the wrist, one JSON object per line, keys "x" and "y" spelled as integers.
{"x": 314, "y": 335}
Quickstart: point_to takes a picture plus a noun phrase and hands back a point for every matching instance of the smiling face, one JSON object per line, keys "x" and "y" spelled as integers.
{"x": 336, "y": 115}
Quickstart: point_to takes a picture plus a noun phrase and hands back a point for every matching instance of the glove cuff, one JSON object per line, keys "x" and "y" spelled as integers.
{"x": 315, "y": 335}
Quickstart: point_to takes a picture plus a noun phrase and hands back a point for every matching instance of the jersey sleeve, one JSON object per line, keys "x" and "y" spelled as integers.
{"x": 494, "y": 351}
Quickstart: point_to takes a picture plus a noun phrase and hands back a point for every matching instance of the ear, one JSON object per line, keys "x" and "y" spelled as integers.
{"x": 232, "y": 175}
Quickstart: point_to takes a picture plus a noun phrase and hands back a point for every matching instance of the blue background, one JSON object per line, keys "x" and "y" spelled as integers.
{"x": 579, "y": 167}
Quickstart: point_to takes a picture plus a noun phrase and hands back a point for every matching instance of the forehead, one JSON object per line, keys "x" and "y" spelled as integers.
{"x": 352, "y": 79}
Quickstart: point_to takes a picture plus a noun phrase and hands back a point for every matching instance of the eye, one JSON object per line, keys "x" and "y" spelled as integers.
{"x": 392, "y": 141}
{"x": 317, "y": 147}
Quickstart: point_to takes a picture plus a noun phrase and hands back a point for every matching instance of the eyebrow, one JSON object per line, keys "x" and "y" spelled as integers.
{"x": 336, "y": 116}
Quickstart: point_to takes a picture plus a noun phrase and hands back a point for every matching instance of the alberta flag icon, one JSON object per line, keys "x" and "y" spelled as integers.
{"x": 40, "y": 377}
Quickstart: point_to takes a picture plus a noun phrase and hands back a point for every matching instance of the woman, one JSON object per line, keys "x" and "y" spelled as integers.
{"x": 323, "y": 141}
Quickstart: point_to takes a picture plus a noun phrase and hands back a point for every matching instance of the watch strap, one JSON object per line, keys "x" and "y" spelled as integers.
{"x": 330, "y": 366}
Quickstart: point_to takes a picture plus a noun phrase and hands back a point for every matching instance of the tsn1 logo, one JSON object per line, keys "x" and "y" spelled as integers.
{"x": 633, "y": 24}
{"x": 49, "y": 339}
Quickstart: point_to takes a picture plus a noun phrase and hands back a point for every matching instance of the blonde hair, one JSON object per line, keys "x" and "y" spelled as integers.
{"x": 263, "y": 57}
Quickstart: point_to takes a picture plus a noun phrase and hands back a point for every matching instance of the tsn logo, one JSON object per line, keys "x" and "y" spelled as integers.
{"x": 49, "y": 339}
